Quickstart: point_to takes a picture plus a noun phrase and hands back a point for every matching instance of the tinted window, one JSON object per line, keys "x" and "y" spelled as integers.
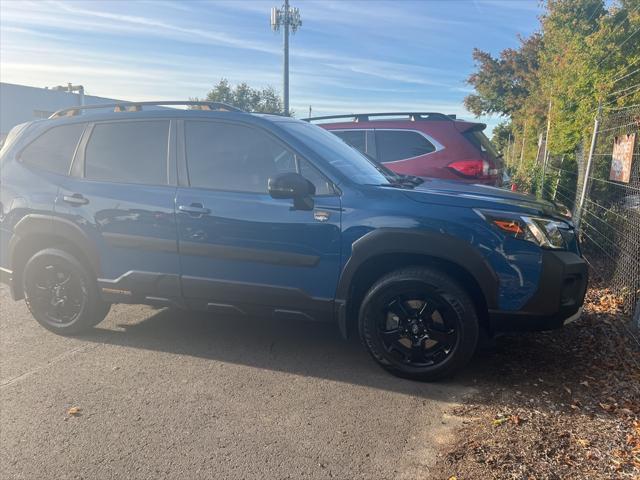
{"x": 128, "y": 152}
{"x": 401, "y": 144}
{"x": 232, "y": 157}
{"x": 336, "y": 153}
{"x": 355, "y": 138}
{"x": 482, "y": 143}
{"x": 54, "y": 149}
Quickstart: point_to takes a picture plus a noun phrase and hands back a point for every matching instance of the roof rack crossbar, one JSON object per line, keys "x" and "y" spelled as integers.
{"x": 137, "y": 106}
{"x": 364, "y": 117}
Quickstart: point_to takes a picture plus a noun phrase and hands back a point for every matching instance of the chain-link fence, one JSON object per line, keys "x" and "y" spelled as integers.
{"x": 600, "y": 183}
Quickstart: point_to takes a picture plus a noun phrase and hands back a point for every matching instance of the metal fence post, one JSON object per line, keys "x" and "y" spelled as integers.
{"x": 545, "y": 156}
{"x": 587, "y": 172}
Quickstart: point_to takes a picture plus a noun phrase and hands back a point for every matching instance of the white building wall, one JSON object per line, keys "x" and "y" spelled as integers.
{"x": 20, "y": 103}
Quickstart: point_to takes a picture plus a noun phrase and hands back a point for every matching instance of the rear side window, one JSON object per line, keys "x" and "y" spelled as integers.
{"x": 482, "y": 143}
{"x": 223, "y": 156}
{"x": 128, "y": 152}
{"x": 401, "y": 144}
{"x": 355, "y": 138}
{"x": 54, "y": 149}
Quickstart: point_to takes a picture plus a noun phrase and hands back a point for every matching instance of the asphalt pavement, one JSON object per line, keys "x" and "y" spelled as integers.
{"x": 169, "y": 394}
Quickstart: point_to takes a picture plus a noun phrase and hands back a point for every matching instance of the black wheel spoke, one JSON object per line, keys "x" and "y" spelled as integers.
{"x": 441, "y": 336}
{"x": 417, "y": 353}
{"x": 398, "y": 307}
{"x": 391, "y": 335}
{"x": 50, "y": 275}
{"x": 427, "y": 309}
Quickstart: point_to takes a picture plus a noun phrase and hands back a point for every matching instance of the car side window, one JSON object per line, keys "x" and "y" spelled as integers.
{"x": 225, "y": 156}
{"x": 400, "y": 144}
{"x": 128, "y": 152}
{"x": 355, "y": 138}
{"x": 54, "y": 149}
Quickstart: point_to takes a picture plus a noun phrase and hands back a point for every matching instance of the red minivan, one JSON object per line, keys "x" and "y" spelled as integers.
{"x": 421, "y": 144}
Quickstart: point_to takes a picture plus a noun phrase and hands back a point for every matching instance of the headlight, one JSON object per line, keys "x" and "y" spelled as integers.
{"x": 544, "y": 232}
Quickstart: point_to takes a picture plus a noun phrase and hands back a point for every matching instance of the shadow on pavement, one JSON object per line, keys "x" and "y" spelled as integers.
{"x": 306, "y": 349}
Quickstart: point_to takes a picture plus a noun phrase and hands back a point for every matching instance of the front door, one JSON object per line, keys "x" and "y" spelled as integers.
{"x": 242, "y": 251}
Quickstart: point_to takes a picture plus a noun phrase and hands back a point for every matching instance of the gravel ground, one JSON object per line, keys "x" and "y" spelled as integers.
{"x": 160, "y": 394}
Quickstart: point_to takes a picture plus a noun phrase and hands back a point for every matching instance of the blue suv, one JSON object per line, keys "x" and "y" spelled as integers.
{"x": 215, "y": 209}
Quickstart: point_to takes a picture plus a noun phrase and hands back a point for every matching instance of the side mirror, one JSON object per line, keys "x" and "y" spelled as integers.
{"x": 295, "y": 186}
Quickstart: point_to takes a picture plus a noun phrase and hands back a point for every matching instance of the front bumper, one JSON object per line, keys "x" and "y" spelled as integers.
{"x": 558, "y": 300}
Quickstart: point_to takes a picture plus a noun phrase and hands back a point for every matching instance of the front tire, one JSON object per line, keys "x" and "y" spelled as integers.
{"x": 419, "y": 323}
{"x": 61, "y": 294}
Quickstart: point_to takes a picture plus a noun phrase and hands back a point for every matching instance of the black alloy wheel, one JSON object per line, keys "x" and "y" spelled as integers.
{"x": 419, "y": 331}
{"x": 61, "y": 293}
{"x": 419, "y": 323}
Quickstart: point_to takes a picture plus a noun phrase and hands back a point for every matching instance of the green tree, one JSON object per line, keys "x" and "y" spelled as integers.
{"x": 585, "y": 52}
{"x": 247, "y": 98}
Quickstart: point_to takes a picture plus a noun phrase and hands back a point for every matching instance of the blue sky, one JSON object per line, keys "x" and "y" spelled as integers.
{"x": 349, "y": 56}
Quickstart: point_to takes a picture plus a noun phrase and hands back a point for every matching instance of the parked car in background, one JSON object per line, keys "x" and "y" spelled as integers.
{"x": 423, "y": 144}
{"x": 239, "y": 214}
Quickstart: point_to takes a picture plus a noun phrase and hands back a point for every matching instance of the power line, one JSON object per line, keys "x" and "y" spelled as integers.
{"x": 619, "y": 46}
{"x": 637, "y": 89}
{"x": 623, "y": 90}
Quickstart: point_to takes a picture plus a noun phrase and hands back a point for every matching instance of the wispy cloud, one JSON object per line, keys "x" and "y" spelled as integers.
{"x": 349, "y": 54}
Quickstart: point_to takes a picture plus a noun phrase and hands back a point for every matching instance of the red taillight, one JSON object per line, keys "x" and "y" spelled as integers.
{"x": 471, "y": 168}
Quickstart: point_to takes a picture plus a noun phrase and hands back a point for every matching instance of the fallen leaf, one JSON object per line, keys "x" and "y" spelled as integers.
{"x": 583, "y": 443}
{"x": 606, "y": 407}
{"x": 499, "y": 421}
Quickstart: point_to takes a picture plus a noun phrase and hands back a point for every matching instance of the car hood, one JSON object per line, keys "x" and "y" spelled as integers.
{"x": 484, "y": 196}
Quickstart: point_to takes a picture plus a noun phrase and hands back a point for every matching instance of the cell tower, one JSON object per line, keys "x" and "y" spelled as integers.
{"x": 289, "y": 18}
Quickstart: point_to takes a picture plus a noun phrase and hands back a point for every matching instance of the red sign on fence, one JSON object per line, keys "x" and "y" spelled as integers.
{"x": 622, "y": 157}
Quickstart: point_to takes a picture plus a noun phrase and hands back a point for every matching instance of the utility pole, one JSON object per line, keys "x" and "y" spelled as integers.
{"x": 289, "y": 18}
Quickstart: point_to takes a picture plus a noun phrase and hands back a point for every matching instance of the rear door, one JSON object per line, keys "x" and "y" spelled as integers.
{"x": 121, "y": 193}
{"x": 241, "y": 250}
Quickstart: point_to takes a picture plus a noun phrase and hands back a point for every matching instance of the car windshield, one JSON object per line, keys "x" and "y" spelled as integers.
{"x": 347, "y": 159}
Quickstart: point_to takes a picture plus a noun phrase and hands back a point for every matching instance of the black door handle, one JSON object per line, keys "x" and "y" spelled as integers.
{"x": 194, "y": 209}
{"x": 76, "y": 199}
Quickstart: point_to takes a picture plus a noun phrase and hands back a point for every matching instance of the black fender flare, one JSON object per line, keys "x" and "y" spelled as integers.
{"x": 41, "y": 224}
{"x": 437, "y": 245}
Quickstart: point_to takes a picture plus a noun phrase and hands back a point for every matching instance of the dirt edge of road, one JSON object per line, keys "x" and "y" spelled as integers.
{"x": 554, "y": 405}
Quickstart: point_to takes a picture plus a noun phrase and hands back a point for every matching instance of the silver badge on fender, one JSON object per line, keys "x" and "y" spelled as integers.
{"x": 321, "y": 215}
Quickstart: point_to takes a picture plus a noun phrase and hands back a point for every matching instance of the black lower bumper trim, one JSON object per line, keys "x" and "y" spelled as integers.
{"x": 560, "y": 295}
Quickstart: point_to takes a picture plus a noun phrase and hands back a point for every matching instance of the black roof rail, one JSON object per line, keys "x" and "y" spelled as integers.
{"x": 137, "y": 106}
{"x": 365, "y": 117}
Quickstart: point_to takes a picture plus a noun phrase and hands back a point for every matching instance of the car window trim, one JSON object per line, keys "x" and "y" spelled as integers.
{"x": 183, "y": 164}
{"x": 82, "y": 173}
{"x": 438, "y": 146}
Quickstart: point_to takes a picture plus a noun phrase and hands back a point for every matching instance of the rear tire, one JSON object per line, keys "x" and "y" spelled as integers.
{"x": 419, "y": 323}
{"x": 61, "y": 294}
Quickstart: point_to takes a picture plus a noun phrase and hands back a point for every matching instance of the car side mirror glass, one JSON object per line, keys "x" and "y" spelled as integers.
{"x": 294, "y": 186}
